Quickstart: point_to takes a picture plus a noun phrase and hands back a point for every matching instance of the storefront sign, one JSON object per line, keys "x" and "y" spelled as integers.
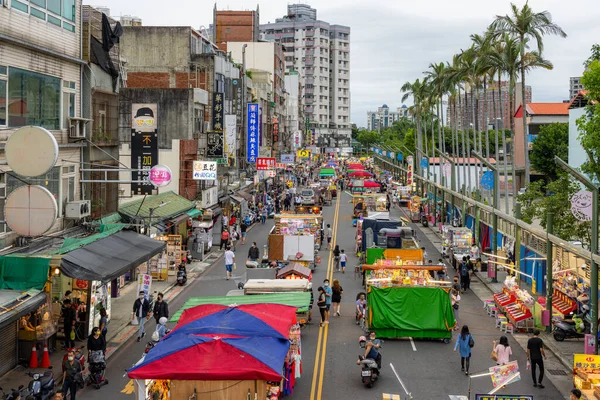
{"x": 347, "y": 149}
{"x": 144, "y": 284}
{"x": 503, "y": 397}
{"x": 160, "y": 175}
{"x": 581, "y": 205}
{"x": 265, "y": 164}
{"x": 237, "y": 99}
{"x": 230, "y": 136}
{"x": 275, "y": 130}
{"x": 586, "y": 361}
{"x": 409, "y": 174}
{"x": 287, "y": 158}
{"x": 222, "y": 161}
{"x": 210, "y": 197}
{"x": 505, "y": 374}
{"x": 304, "y": 153}
{"x": 214, "y": 144}
{"x": 297, "y": 139}
{"x": 204, "y": 170}
{"x": 253, "y": 132}
{"x": 280, "y": 166}
{"x": 144, "y": 146}
{"x": 217, "y": 111}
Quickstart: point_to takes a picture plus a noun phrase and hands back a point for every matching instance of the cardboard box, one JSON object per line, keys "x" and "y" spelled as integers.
{"x": 391, "y": 396}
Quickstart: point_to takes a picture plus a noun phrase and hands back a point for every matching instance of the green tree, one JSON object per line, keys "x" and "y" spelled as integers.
{"x": 553, "y": 140}
{"x": 409, "y": 141}
{"x": 589, "y": 123}
{"x": 367, "y": 138}
{"x": 595, "y": 55}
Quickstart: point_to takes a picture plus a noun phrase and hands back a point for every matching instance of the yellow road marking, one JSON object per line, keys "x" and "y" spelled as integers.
{"x": 129, "y": 388}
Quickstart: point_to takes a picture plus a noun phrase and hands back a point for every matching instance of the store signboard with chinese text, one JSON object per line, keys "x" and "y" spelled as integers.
{"x": 264, "y": 164}
{"x": 503, "y": 397}
{"x": 236, "y": 84}
{"x": 217, "y": 111}
{"x": 210, "y": 197}
{"x": 275, "y": 130}
{"x": 204, "y": 170}
{"x": 144, "y": 146}
{"x": 287, "y": 158}
{"x": 346, "y": 149}
{"x": 253, "y": 132}
{"x": 160, "y": 175}
{"x": 297, "y": 139}
{"x": 145, "y": 284}
{"x": 409, "y": 173}
{"x": 230, "y": 136}
{"x": 585, "y": 361}
{"x": 214, "y": 142}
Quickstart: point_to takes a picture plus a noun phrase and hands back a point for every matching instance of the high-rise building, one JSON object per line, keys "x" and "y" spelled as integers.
{"x": 574, "y": 86}
{"x": 384, "y": 118}
{"x": 320, "y": 51}
{"x": 234, "y": 26}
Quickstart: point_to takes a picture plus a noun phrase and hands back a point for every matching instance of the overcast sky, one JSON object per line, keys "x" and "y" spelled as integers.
{"x": 395, "y": 42}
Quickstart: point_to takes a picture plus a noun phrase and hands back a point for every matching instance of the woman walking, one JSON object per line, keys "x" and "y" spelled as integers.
{"x": 336, "y": 297}
{"x": 502, "y": 351}
{"x": 455, "y": 300}
{"x": 464, "y": 343}
{"x": 322, "y": 304}
{"x": 336, "y": 257}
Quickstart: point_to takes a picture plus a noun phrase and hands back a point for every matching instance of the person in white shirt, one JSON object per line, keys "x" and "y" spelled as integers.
{"x": 343, "y": 260}
{"x": 229, "y": 261}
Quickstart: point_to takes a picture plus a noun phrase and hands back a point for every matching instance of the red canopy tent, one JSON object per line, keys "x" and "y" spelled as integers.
{"x": 360, "y": 174}
{"x": 356, "y": 166}
{"x": 371, "y": 184}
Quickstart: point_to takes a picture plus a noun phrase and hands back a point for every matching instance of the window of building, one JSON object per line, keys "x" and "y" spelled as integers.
{"x": 68, "y": 102}
{"x": 68, "y": 189}
{"x": 34, "y": 98}
{"x": 2, "y": 98}
{"x": 3, "y": 226}
{"x": 57, "y": 12}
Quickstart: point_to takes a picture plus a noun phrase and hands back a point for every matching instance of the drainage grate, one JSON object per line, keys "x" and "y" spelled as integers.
{"x": 557, "y": 372}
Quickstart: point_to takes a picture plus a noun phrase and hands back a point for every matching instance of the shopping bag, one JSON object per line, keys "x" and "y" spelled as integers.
{"x": 494, "y": 355}
{"x": 234, "y": 266}
{"x": 134, "y": 321}
{"x": 72, "y": 335}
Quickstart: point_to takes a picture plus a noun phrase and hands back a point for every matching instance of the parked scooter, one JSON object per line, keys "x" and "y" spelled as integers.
{"x": 42, "y": 386}
{"x": 424, "y": 220}
{"x": 181, "y": 275}
{"x": 15, "y": 394}
{"x": 370, "y": 368}
{"x": 567, "y": 328}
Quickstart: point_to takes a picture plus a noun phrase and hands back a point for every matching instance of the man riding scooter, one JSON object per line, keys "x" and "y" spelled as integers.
{"x": 371, "y": 349}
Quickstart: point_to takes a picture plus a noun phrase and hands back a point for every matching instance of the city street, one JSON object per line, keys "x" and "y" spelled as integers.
{"x": 429, "y": 369}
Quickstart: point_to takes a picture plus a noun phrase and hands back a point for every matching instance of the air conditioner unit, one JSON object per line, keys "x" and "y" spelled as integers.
{"x": 76, "y": 131}
{"x": 78, "y": 209}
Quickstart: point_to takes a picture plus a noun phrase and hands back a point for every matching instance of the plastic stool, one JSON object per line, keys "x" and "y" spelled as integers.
{"x": 503, "y": 326}
{"x": 487, "y": 303}
{"x": 509, "y": 328}
{"x": 499, "y": 321}
{"x": 493, "y": 311}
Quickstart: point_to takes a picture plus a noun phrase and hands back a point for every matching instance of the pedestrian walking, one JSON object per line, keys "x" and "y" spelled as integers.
{"x": 501, "y": 351}
{"x": 263, "y": 215}
{"x": 141, "y": 311}
{"x": 343, "y": 261}
{"x": 535, "y": 357}
{"x": 336, "y": 257}
{"x": 229, "y": 262}
{"x": 224, "y": 238}
{"x": 336, "y": 296}
{"x": 234, "y": 238}
{"x": 328, "y": 298}
{"x": 103, "y": 322}
{"x": 161, "y": 308}
{"x": 464, "y": 344}
{"x": 455, "y": 300}
{"x": 243, "y": 230}
{"x": 575, "y": 394}
{"x": 328, "y": 234}
{"x": 322, "y": 304}
{"x": 68, "y": 313}
{"x": 464, "y": 275}
{"x": 72, "y": 370}
{"x": 253, "y": 252}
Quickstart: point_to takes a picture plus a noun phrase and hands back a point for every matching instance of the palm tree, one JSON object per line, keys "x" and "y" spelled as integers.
{"x": 416, "y": 91}
{"x": 438, "y": 75}
{"x": 526, "y": 24}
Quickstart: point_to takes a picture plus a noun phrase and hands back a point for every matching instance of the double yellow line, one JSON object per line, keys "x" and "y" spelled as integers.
{"x": 318, "y": 372}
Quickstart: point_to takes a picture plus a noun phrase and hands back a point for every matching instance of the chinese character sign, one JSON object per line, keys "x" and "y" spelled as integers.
{"x": 503, "y": 397}
{"x": 253, "y": 132}
{"x": 297, "y": 139}
{"x": 581, "y": 205}
{"x": 230, "y": 136}
{"x": 144, "y": 284}
{"x": 144, "y": 146}
{"x": 214, "y": 141}
{"x": 204, "y": 170}
{"x": 265, "y": 164}
{"x": 505, "y": 374}
{"x": 237, "y": 109}
{"x": 409, "y": 174}
{"x": 160, "y": 175}
{"x": 287, "y": 158}
{"x": 217, "y": 111}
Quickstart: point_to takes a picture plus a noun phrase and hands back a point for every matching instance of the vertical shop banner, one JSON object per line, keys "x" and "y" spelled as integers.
{"x": 260, "y": 125}
{"x": 297, "y": 139}
{"x": 144, "y": 146}
{"x": 217, "y": 111}
{"x": 144, "y": 284}
{"x": 236, "y": 85}
{"x": 214, "y": 142}
{"x": 409, "y": 174}
{"x": 253, "y": 131}
{"x": 230, "y": 136}
{"x": 275, "y": 130}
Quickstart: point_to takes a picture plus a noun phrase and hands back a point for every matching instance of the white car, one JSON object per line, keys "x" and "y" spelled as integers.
{"x": 308, "y": 197}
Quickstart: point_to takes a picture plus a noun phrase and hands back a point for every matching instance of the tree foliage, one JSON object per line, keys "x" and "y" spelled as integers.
{"x": 553, "y": 140}
{"x": 589, "y": 123}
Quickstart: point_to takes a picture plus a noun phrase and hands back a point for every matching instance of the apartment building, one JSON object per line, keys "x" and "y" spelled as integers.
{"x": 40, "y": 84}
{"x": 575, "y": 86}
{"x": 320, "y": 51}
{"x": 384, "y": 118}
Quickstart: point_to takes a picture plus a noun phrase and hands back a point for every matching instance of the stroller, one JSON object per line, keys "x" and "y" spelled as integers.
{"x": 97, "y": 368}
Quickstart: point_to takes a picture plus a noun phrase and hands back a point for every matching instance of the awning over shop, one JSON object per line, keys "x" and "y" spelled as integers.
{"x": 244, "y": 195}
{"x": 15, "y": 303}
{"x": 110, "y": 257}
{"x": 193, "y": 213}
{"x": 165, "y": 205}
{"x": 23, "y": 272}
{"x": 237, "y": 199}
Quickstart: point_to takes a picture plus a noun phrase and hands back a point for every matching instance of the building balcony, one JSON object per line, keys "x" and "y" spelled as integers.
{"x": 309, "y": 90}
{"x": 309, "y": 101}
{"x": 308, "y": 109}
{"x": 310, "y": 80}
{"x": 309, "y": 43}
{"x": 309, "y": 61}
{"x": 310, "y": 33}
{"x": 310, "y": 52}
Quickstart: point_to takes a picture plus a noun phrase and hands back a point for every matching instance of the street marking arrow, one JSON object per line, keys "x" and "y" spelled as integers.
{"x": 129, "y": 388}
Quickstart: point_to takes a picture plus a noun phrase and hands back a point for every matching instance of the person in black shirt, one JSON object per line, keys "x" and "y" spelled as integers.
{"x": 536, "y": 356}
{"x": 161, "y": 308}
{"x": 96, "y": 342}
{"x": 69, "y": 322}
{"x": 253, "y": 252}
{"x": 243, "y": 229}
{"x": 71, "y": 369}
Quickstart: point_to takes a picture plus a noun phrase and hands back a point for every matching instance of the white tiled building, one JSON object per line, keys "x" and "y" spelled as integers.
{"x": 383, "y": 117}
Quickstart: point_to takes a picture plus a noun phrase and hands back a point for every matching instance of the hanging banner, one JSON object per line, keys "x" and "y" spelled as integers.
{"x": 275, "y": 130}
{"x": 252, "y": 135}
{"x": 409, "y": 174}
{"x": 230, "y": 136}
{"x": 487, "y": 180}
{"x": 204, "y": 170}
{"x": 144, "y": 284}
{"x": 581, "y": 205}
{"x": 214, "y": 143}
{"x": 264, "y": 164}
{"x": 399, "y": 157}
{"x": 236, "y": 104}
{"x": 297, "y": 139}
{"x": 287, "y": 158}
{"x": 424, "y": 162}
{"x": 217, "y": 111}
{"x": 144, "y": 146}
{"x": 447, "y": 169}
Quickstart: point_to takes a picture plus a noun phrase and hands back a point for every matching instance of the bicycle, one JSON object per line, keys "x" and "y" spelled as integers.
{"x": 362, "y": 321}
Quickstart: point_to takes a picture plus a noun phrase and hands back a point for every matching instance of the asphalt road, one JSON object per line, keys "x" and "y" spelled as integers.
{"x": 429, "y": 369}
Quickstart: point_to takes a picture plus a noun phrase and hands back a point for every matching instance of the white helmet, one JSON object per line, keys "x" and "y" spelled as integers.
{"x": 163, "y": 320}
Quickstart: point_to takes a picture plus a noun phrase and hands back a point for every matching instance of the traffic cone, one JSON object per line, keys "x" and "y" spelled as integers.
{"x": 45, "y": 358}
{"x": 33, "y": 360}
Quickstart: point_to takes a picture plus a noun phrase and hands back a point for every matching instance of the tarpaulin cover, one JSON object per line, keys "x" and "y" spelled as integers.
{"x": 419, "y": 312}
{"x": 23, "y": 272}
{"x": 111, "y": 257}
{"x": 376, "y": 225}
{"x": 215, "y": 342}
{"x": 356, "y": 174}
{"x": 356, "y": 166}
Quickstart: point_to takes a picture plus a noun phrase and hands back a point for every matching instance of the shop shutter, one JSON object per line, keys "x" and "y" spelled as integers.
{"x": 8, "y": 348}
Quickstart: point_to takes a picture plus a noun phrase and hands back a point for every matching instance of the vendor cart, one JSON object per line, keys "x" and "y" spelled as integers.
{"x": 459, "y": 240}
{"x": 414, "y": 206}
{"x": 326, "y": 196}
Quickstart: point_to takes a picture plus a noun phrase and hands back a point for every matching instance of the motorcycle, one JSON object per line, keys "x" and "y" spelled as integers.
{"x": 181, "y": 275}
{"x": 42, "y": 386}
{"x": 566, "y": 329}
{"x": 424, "y": 220}
{"x": 370, "y": 368}
{"x": 15, "y": 394}
{"x": 188, "y": 257}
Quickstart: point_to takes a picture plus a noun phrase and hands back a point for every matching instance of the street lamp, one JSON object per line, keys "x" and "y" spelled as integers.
{"x": 593, "y": 245}
{"x": 152, "y": 209}
{"x": 495, "y": 202}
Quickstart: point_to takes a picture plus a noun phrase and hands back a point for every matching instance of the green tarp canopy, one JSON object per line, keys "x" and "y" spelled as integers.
{"x": 418, "y": 312}
{"x": 23, "y": 272}
{"x": 193, "y": 213}
{"x": 374, "y": 254}
{"x": 327, "y": 172}
{"x": 301, "y": 300}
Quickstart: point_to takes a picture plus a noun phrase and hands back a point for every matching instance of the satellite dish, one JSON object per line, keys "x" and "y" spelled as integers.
{"x": 31, "y": 151}
{"x": 30, "y": 210}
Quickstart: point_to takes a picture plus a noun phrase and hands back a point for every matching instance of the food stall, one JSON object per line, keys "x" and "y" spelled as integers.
{"x": 403, "y": 194}
{"x": 296, "y": 237}
{"x": 327, "y": 172}
{"x": 405, "y": 301}
{"x": 414, "y": 207}
{"x": 294, "y": 270}
{"x": 459, "y": 240}
{"x": 365, "y": 203}
{"x": 200, "y": 357}
{"x": 586, "y": 375}
{"x": 516, "y": 304}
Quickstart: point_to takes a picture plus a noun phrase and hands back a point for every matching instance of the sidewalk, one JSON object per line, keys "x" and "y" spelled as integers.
{"x": 120, "y": 329}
